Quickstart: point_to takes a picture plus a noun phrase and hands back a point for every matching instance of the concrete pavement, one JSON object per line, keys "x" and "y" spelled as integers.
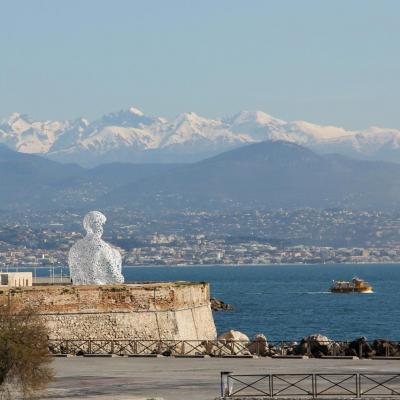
{"x": 169, "y": 378}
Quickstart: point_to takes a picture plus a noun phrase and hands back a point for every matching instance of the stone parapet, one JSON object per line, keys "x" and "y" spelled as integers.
{"x": 159, "y": 311}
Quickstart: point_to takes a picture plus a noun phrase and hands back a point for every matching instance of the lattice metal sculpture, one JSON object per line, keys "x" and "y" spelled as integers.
{"x": 91, "y": 260}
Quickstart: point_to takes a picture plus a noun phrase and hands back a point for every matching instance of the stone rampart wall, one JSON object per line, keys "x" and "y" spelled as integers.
{"x": 179, "y": 310}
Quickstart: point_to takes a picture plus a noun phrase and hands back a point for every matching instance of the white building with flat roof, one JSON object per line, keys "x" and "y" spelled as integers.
{"x": 15, "y": 279}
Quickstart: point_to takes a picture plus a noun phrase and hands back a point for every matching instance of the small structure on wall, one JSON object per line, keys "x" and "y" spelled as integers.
{"x": 15, "y": 279}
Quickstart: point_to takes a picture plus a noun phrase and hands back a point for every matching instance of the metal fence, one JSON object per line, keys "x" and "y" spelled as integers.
{"x": 220, "y": 348}
{"x": 148, "y": 347}
{"x": 310, "y": 385}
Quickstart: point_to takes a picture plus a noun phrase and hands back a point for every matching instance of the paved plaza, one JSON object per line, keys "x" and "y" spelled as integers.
{"x": 169, "y": 378}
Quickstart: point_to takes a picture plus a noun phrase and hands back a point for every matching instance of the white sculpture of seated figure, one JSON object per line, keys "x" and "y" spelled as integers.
{"x": 91, "y": 260}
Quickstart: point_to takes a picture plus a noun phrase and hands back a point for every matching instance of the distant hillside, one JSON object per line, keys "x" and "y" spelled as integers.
{"x": 28, "y": 180}
{"x": 271, "y": 174}
{"x": 31, "y": 181}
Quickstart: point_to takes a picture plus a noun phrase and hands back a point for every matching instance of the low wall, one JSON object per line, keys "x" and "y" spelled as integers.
{"x": 160, "y": 311}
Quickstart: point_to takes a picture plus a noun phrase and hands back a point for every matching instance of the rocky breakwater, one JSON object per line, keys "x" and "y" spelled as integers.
{"x": 318, "y": 345}
{"x": 149, "y": 311}
{"x": 219, "y": 305}
{"x": 313, "y": 346}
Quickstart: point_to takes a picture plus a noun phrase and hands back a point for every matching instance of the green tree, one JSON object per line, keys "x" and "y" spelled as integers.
{"x": 24, "y": 354}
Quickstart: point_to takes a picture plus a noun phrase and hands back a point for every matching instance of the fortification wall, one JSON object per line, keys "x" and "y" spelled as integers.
{"x": 178, "y": 310}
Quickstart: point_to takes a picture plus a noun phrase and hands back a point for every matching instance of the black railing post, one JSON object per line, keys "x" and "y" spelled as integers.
{"x": 314, "y": 386}
{"x": 271, "y": 385}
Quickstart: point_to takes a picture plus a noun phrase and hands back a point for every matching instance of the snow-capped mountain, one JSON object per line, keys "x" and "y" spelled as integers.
{"x": 257, "y": 124}
{"x": 189, "y": 130}
{"x": 132, "y": 136}
{"x": 27, "y": 136}
{"x": 373, "y": 143}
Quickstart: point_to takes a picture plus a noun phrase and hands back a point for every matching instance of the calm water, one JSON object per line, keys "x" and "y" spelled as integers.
{"x": 289, "y": 302}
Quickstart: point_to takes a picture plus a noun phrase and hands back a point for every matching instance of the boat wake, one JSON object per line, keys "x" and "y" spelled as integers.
{"x": 318, "y": 292}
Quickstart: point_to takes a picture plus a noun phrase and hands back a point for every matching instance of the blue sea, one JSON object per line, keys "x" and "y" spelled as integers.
{"x": 290, "y": 302}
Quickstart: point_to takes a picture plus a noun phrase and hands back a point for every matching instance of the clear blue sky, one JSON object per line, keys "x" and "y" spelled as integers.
{"x": 334, "y": 62}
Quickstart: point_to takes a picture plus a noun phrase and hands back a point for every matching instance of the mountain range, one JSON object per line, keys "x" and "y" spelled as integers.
{"x": 269, "y": 174}
{"x": 131, "y": 136}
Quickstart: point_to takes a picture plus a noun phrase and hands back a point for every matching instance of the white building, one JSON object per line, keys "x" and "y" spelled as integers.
{"x": 14, "y": 279}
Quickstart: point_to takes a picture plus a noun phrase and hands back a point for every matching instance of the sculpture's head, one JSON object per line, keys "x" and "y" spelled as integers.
{"x": 93, "y": 223}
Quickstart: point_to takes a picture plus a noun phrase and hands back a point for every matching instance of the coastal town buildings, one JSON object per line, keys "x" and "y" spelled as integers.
{"x": 200, "y": 238}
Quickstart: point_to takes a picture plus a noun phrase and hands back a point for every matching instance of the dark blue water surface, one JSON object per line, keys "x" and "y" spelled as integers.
{"x": 289, "y": 302}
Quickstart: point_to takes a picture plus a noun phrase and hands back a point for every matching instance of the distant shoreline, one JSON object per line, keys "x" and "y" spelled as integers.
{"x": 259, "y": 265}
{"x": 217, "y": 265}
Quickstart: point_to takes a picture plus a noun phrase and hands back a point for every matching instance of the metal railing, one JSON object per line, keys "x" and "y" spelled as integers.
{"x": 215, "y": 348}
{"x": 329, "y": 385}
{"x": 220, "y": 348}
